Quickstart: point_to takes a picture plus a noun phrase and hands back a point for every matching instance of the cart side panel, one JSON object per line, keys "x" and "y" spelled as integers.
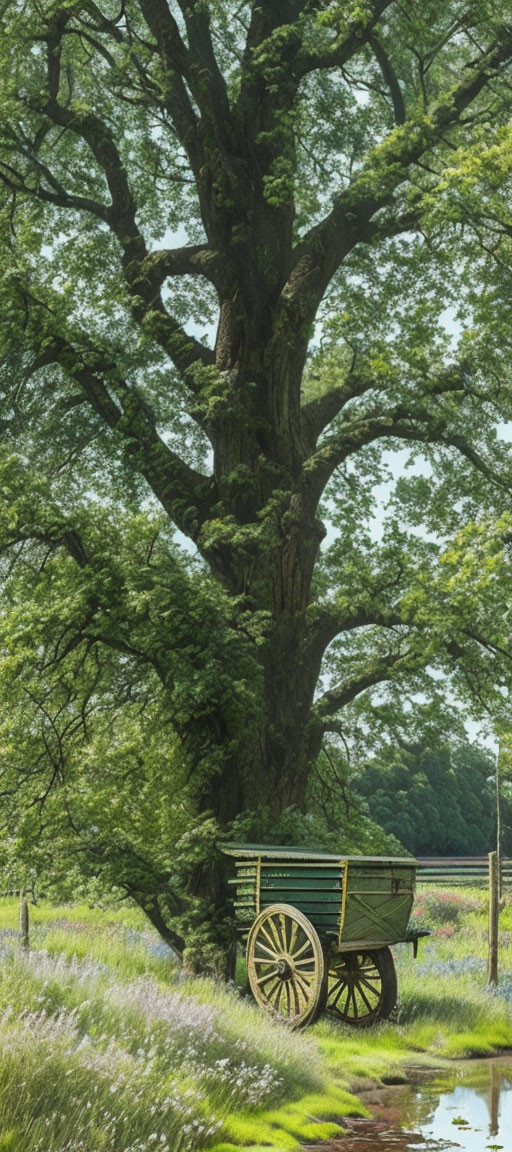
{"x": 313, "y": 888}
{"x": 378, "y": 904}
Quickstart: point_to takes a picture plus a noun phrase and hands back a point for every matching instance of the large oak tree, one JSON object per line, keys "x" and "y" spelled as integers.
{"x": 235, "y": 242}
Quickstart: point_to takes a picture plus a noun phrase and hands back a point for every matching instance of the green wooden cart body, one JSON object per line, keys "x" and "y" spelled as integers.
{"x": 354, "y": 902}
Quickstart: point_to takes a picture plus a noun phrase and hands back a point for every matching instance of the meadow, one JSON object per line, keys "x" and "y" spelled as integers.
{"x": 105, "y": 1045}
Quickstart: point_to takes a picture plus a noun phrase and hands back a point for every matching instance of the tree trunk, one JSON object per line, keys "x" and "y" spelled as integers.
{"x": 290, "y": 680}
{"x": 272, "y": 773}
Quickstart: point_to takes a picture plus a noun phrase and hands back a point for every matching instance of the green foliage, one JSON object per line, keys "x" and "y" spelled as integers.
{"x": 438, "y": 799}
{"x": 250, "y": 270}
{"x": 338, "y": 818}
{"x": 108, "y": 794}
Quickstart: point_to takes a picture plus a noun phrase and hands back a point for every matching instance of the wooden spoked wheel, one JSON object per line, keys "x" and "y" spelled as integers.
{"x": 285, "y": 965}
{"x": 362, "y": 987}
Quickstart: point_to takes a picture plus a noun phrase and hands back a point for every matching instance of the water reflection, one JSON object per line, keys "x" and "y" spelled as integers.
{"x": 468, "y": 1109}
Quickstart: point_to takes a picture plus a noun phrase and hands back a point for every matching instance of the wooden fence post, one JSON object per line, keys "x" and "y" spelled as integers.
{"x": 494, "y": 912}
{"x": 24, "y": 920}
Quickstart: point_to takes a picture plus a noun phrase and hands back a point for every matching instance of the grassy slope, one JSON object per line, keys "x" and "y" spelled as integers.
{"x": 103, "y": 1047}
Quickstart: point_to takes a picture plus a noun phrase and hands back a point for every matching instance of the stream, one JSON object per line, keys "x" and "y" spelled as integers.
{"x": 464, "y": 1109}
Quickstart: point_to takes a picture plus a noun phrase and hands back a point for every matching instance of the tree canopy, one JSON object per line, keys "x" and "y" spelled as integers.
{"x": 438, "y": 801}
{"x": 254, "y": 257}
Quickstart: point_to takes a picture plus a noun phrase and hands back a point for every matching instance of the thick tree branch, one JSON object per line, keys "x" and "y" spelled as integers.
{"x": 265, "y": 21}
{"x": 143, "y": 287}
{"x": 276, "y": 61}
{"x": 390, "y": 78}
{"x": 185, "y": 494}
{"x": 56, "y": 194}
{"x": 378, "y": 671}
{"x": 333, "y": 620}
{"x": 161, "y": 22}
{"x": 206, "y": 80}
{"x": 59, "y": 535}
{"x": 191, "y": 260}
{"x": 385, "y": 227}
{"x": 341, "y": 53}
{"x": 488, "y": 645}
{"x": 418, "y": 421}
{"x": 151, "y": 907}
{"x": 398, "y": 423}
{"x": 319, "y": 413}
{"x": 147, "y": 304}
{"x": 322, "y": 250}
{"x": 180, "y": 71}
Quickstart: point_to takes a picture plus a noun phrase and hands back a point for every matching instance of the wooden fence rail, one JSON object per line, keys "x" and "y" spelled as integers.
{"x": 460, "y": 870}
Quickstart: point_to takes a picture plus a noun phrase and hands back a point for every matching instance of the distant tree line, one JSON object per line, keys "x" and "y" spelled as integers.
{"x": 437, "y": 801}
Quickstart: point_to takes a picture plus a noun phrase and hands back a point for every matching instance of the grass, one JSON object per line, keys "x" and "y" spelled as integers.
{"x": 104, "y": 1046}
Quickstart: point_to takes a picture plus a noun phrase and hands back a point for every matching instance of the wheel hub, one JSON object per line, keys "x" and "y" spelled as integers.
{"x": 283, "y": 968}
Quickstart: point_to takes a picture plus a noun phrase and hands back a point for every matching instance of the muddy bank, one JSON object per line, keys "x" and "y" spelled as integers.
{"x": 466, "y": 1107}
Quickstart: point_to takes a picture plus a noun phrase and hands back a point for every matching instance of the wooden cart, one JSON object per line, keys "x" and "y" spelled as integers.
{"x": 319, "y": 929}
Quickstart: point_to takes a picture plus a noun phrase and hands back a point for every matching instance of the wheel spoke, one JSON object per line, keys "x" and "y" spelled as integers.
{"x": 338, "y": 973}
{"x": 369, "y": 969}
{"x": 366, "y": 961}
{"x": 333, "y": 1003}
{"x": 366, "y": 1002}
{"x": 269, "y": 992}
{"x": 279, "y": 997}
{"x": 344, "y": 1009}
{"x": 361, "y": 987}
{"x": 270, "y": 958}
{"x": 272, "y": 942}
{"x": 295, "y": 995}
{"x": 375, "y": 980}
{"x": 302, "y": 949}
{"x": 282, "y": 924}
{"x": 370, "y": 974}
{"x": 273, "y": 991}
{"x": 303, "y": 985}
{"x": 275, "y": 934}
{"x": 269, "y": 976}
{"x": 275, "y": 929}
{"x": 347, "y": 997}
{"x": 293, "y": 937}
{"x": 302, "y": 994}
{"x": 372, "y": 979}
{"x": 306, "y": 977}
{"x": 337, "y": 984}
{"x": 376, "y": 991}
